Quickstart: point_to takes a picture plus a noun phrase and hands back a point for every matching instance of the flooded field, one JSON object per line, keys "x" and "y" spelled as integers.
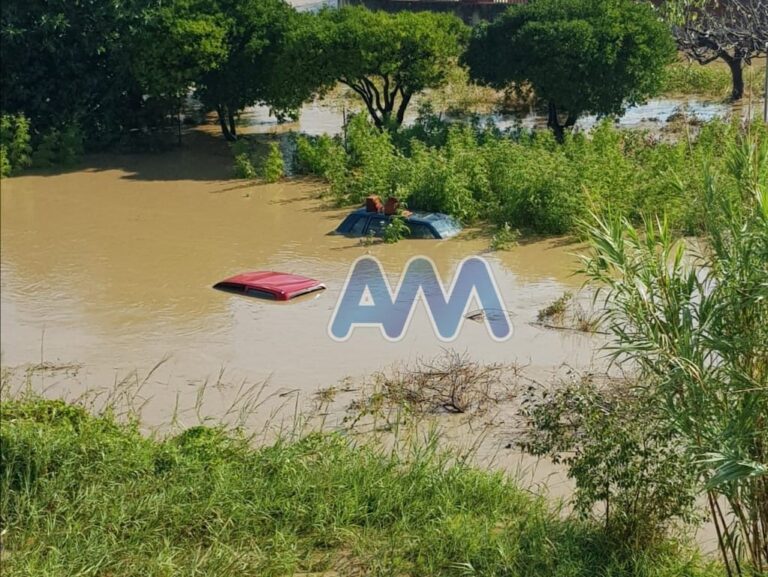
{"x": 110, "y": 267}
{"x": 107, "y": 273}
{"x": 328, "y": 117}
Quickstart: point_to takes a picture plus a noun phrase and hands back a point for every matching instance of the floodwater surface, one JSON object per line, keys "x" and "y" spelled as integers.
{"x": 329, "y": 116}
{"x": 107, "y": 271}
{"x": 110, "y": 267}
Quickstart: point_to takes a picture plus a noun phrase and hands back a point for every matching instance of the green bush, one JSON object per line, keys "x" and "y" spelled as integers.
{"x": 321, "y": 156}
{"x": 15, "y": 148}
{"x": 244, "y": 167}
{"x": 619, "y": 451}
{"x": 272, "y": 167}
{"x": 505, "y": 237}
{"x": 525, "y": 180}
{"x": 693, "y": 321}
{"x": 59, "y": 147}
{"x": 396, "y": 230}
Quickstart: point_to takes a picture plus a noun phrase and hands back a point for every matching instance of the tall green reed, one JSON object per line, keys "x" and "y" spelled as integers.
{"x": 693, "y": 318}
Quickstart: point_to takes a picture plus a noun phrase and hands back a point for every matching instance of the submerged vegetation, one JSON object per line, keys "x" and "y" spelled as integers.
{"x": 526, "y": 180}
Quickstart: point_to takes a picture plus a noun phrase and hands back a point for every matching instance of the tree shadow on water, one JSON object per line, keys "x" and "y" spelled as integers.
{"x": 201, "y": 156}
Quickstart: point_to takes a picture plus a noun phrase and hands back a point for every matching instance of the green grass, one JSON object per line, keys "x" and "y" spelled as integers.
{"x": 712, "y": 80}
{"x": 85, "y": 495}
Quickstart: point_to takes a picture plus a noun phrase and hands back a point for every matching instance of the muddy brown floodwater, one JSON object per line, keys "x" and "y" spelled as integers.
{"x": 107, "y": 270}
{"x": 111, "y": 267}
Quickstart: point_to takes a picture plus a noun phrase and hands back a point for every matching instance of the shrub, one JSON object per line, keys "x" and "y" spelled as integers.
{"x": 15, "y": 148}
{"x": 621, "y": 455}
{"x": 59, "y": 147}
{"x": 321, "y": 156}
{"x": 244, "y": 167}
{"x": 525, "y": 180}
{"x": 505, "y": 237}
{"x": 272, "y": 167}
{"x": 396, "y": 230}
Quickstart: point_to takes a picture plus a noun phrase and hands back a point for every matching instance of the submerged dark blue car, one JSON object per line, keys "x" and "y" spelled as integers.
{"x": 420, "y": 224}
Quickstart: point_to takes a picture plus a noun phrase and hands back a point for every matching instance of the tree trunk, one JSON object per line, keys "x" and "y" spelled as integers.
{"x": 735, "y": 63}
{"x": 228, "y": 136}
{"x": 553, "y": 122}
{"x": 232, "y": 126}
{"x": 406, "y": 99}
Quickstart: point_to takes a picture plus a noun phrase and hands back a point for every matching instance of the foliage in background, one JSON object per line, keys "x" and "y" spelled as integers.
{"x": 386, "y": 59}
{"x": 176, "y": 45}
{"x": 527, "y": 181}
{"x": 694, "y": 321}
{"x": 252, "y": 69}
{"x": 69, "y": 62}
{"x": 688, "y": 78}
{"x": 15, "y": 147}
{"x": 733, "y": 31}
{"x": 115, "y": 68}
{"x": 59, "y": 147}
{"x": 579, "y": 56}
{"x": 82, "y": 494}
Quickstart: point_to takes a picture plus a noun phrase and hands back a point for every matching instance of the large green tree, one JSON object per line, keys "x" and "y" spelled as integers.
{"x": 579, "y": 56}
{"x": 68, "y": 62}
{"x": 384, "y": 58}
{"x": 177, "y": 44}
{"x": 251, "y": 68}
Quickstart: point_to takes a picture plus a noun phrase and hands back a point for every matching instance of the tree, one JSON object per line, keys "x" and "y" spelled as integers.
{"x": 67, "y": 62}
{"x": 250, "y": 70}
{"x": 735, "y": 31}
{"x": 384, "y": 58}
{"x": 580, "y": 56}
{"x": 175, "y": 46}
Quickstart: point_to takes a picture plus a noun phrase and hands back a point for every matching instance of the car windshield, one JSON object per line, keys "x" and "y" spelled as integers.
{"x": 447, "y": 226}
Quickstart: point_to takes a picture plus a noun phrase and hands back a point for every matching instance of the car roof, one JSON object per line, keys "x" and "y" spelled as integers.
{"x": 279, "y": 283}
{"x": 415, "y": 216}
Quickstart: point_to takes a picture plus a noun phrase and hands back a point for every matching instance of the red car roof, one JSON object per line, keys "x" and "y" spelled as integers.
{"x": 282, "y": 286}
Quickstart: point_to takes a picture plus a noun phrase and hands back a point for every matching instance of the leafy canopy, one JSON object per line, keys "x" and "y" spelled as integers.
{"x": 68, "y": 62}
{"x": 177, "y": 44}
{"x": 385, "y": 58}
{"x": 580, "y": 56}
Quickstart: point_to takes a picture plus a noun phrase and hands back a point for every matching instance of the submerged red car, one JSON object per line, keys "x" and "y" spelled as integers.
{"x": 278, "y": 286}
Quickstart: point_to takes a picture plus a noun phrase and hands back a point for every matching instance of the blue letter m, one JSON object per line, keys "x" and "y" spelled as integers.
{"x": 367, "y": 299}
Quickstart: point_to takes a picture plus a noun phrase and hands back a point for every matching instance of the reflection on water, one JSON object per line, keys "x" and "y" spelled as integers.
{"x": 112, "y": 266}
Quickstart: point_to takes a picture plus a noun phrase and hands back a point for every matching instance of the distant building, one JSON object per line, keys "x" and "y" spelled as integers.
{"x": 471, "y": 11}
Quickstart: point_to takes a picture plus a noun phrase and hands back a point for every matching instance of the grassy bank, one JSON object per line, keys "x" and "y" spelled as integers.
{"x": 84, "y": 495}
